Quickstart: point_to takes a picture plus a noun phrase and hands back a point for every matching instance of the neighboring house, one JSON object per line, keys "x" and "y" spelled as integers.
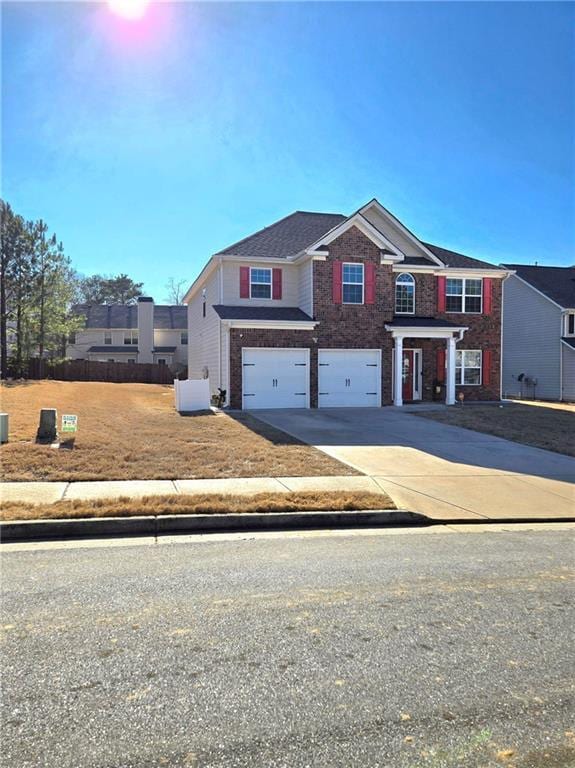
{"x": 132, "y": 333}
{"x": 539, "y": 332}
{"x": 325, "y": 310}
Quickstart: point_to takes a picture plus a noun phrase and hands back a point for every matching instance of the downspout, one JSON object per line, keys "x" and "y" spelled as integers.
{"x": 561, "y": 328}
{"x": 507, "y": 276}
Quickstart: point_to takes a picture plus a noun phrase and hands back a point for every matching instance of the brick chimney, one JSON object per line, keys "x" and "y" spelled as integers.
{"x": 145, "y": 329}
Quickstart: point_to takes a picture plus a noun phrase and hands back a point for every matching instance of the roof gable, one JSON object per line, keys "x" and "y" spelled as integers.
{"x": 122, "y": 316}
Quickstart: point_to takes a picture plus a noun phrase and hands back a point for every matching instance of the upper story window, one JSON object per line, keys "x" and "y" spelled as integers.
{"x": 184, "y": 337}
{"x": 130, "y": 337}
{"x": 405, "y": 294}
{"x": 570, "y": 324}
{"x": 107, "y": 337}
{"x": 260, "y": 283}
{"x": 463, "y": 295}
{"x": 352, "y": 283}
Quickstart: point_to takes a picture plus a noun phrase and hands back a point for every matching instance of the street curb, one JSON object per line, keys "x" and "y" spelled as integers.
{"x": 153, "y": 525}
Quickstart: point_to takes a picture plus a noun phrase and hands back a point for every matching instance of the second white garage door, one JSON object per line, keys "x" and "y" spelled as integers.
{"x": 275, "y": 378}
{"x": 349, "y": 378}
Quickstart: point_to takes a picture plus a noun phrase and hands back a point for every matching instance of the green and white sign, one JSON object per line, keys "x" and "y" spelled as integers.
{"x": 69, "y": 422}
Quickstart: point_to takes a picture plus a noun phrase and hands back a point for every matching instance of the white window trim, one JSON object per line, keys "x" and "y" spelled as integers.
{"x": 463, "y": 296}
{"x": 461, "y": 383}
{"x": 107, "y": 334}
{"x": 262, "y": 269}
{"x": 396, "y": 311}
{"x": 566, "y": 325}
{"x": 343, "y": 282}
{"x": 184, "y": 343}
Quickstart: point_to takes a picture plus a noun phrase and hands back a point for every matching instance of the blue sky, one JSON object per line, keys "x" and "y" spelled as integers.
{"x": 147, "y": 146}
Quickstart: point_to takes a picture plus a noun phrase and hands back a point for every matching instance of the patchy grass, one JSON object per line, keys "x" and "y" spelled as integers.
{"x": 206, "y": 504}
{"x": 535, "y": 424}
{"x": 132, "y": 432}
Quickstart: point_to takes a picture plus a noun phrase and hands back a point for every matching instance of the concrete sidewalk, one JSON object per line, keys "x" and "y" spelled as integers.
{"x": 47, "y": 493}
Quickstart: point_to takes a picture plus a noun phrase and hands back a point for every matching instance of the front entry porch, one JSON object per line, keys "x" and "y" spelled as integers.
{"x": 407, "y": 380}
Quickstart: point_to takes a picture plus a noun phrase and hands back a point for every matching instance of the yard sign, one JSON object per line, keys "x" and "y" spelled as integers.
{"x": 69, "y": 422}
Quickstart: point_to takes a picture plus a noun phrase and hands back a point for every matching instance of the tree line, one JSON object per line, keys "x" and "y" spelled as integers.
{"x": 38, "y": 287}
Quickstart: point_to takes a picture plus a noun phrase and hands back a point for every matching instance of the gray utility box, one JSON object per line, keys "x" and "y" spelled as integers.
{"x": 3, "y": 427}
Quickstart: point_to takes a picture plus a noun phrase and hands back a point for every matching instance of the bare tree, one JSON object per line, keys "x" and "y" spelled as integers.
{"x": 176, "y": 290}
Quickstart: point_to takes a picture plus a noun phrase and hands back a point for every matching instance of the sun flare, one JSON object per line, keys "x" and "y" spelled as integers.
{"x": 129, "y": 9}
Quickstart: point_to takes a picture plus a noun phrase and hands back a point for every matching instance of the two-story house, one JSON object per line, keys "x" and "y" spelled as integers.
{"x": 539, "y": 332}
{"x": 131, "y": 333}
{"x": 326, "y": 310}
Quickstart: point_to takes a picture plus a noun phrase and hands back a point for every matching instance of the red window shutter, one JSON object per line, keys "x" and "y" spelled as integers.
{"x": 370, "y": 283}
{"x": 487, "y": 286}
{"x": 276, "y": 283}
{"x": 441, "y": 294}
{"x": 244, "y": 282}
{"x": 337, "y": 279}
{"x": 486, "y": 367}
{"x": 440, "y": 372}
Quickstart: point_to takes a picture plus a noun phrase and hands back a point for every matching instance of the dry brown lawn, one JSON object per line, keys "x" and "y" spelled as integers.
{"x": 200, "y": 504}
{"x": 538, "y": 425}
{"x": 132, "y": 432}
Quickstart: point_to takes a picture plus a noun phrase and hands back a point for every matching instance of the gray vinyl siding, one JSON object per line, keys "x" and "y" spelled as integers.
{"x": 568, "y": 372}
{"x": 531, "y": 340}
{"x": 204, "y": 333}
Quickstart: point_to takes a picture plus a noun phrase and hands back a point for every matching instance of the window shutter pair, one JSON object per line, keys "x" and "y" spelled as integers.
{"x": 245, "y": 283}
{"x": 337, "y": 282}
{"x": 487, "y": 292}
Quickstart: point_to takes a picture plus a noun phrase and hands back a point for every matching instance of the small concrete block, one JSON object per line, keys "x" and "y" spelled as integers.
{"x": 48, "y": 427}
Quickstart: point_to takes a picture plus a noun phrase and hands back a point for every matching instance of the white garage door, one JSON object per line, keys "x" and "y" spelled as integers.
{"x": 275, "y": 378}
{"x": 349, "y": 378}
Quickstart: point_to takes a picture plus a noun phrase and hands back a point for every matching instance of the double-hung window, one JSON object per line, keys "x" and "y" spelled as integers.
{"x": 260, "y": 283}
{"x": 130, "y": 337}
{"x": 352, "y": 284}
{"x": 463, "y": 295}
{"x": 107, "y": 337}
{"x": 570, "y": 324}
{"x": 468, "y": 367}
{"x": 405, "y": 294}
{"x": 184, "y": 337}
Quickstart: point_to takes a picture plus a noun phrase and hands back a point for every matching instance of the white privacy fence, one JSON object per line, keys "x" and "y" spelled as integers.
{"x": 192, "y": 395}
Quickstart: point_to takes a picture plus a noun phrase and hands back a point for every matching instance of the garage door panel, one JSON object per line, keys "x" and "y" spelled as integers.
{"x": 275, "y": 378}
{"x": 349, "y": 378}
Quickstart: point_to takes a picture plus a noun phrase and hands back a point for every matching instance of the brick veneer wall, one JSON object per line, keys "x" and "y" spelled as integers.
{"x": 345, "y": 326}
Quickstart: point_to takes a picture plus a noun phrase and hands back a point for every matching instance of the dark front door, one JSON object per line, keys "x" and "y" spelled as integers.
{"x": 407, "y": 377}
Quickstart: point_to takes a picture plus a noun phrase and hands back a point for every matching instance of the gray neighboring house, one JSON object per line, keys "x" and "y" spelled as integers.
{"x": 132, "y": 333}
{"x": 539, "y": 332}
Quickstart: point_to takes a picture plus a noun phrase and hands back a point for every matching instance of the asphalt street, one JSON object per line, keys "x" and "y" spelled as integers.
{"x": 415, "y": 649}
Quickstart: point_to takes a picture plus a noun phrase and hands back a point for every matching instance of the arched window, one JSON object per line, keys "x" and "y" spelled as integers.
{"x": 405, "y": 294}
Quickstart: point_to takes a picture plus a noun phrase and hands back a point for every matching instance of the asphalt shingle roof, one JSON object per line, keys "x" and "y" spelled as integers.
{"x": 286, "y": 237}
{"x": 557, "y": 283}
{"x": 261, "y": 313}
{"x": 421, "y": 322}
{"x": 166, "y": 317}
{"x": 457, "y": 260}
{"x": 110, "y": 348}
{"x": 569, "y": 340}
{"x": 292, "y": 234}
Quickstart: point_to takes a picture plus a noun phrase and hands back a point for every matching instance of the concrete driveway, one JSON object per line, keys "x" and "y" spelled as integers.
{"x": 438, "y": 470}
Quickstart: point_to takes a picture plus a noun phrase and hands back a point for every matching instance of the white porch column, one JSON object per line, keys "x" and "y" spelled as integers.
{"x": 398, "y": 372}
{"x": 450, "y": 379}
